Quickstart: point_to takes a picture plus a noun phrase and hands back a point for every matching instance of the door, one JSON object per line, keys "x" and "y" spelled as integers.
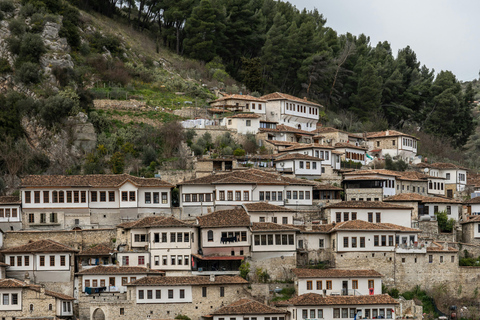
{"x": 344, "y": 288}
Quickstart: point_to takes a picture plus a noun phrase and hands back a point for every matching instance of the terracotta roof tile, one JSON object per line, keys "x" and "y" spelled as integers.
{"x": 119, "y": 270}
{"x": 94, "y": 180}
{"x": 239, "y": 97}
{"x": 327, "y": 187}
{"x": 475, "y": 200}
{"x": 270, "y": 226}
{"x": 313, "y": 299}
{"x": 188, "y": 280}
{"x": 225, "y": 218}
{"x": 367, "y": 205}
{"x": 300, "y": 146}
{"x": 155, "y": 221}
{"x": 58, "y": 295}
{"x": 374, "y": 171}
{"x": 12, "y": 283}
{"x": 10, "y": 200}
{"x": 264, "y": 207}
{"x": 40, "y": 246}
{"x": 281, "y": 143}
{"x": 284, "y": 96}
{"x": 335, "y": 273}
{"x": 295, "y": 156}
{"x": 97, "y": 250}
{"x": 471, "y": 219}
{"x": 410, "y": 197}
{"x": 321, "y": 228}
{"x": 413, "y": 176}
{"x": 247, "y": 306}
{"x": 349, "y": 145}
{"x": 387, "y": 134}
{"x": 246, "y": 115}
{"x": 439, "y": 165}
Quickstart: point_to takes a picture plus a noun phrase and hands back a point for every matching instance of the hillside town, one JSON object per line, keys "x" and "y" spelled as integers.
{"x": 313, "y": 228}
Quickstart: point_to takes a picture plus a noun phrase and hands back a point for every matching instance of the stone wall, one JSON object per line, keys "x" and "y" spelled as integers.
{"x": 76, "y": 239}
{"x": 278, "y": 265}
{"x": 366, "y": 193}
{"x": 119, "y": 104}
{"x": 176, "y": 176}
{"x": 430, "y": 231}
{"x": 40, "y": 303}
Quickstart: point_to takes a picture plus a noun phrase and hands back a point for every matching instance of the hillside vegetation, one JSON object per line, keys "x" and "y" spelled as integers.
{"x": 57, "y": 57}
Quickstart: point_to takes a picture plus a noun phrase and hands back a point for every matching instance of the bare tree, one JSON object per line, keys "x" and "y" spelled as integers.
{"x": 15, "y": 154}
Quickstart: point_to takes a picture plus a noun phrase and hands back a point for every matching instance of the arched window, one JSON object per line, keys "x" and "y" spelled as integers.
{"x": 55, "y": 197}
{"x": 210, "y": 235}
{"x": 31, "y": 307}
{"x": 50, "y": 307}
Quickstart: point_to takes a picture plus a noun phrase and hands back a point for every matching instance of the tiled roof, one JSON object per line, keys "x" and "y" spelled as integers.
{"x": 264, "y": 207}
{"x": 93, "y": 180}
{"x": 415, "y": 197}
{"x": 97, "y": 250}
{"x": 155, "y": 221}
{"x": 349, "y": 145}
{"x": 239, "y": 97}
{"x": 284, "y": 96}
{"x": 246, "y": 115}
{"x": 3, "y": 264}
{"x": 225, "y": 218}
{"x": 58, "y": 295}
{"x": 12, "y": 283}
{"x": 471, "y": 219}
{"x": 475, "y": 200}
{"x": 439, "y": 165}
{"x": 270, "y": 226}
{"x": 300, "y": 146}
{"x": 313, "y": 299}
{"x": 373, "y": 171}
{"x": 320, "y": 228}
{"x": 413, "y": 176}
{"x": 247, "y": 306}
{"x": 295, "y": 156}
{"x": 250, "y": 176}
{"x": 327, "y": 187}
{"x": 40, "y": 246}
{"x": 217, "y": 110}
{"x": 281, "y": 143}
{"x": 364, "y": 226}
{"x": 285, "y": 128}
{"x": 10, "y": 200}
{"x": 437, "y": 247}
{"x": 388, "y": 133}
{"x": 119, "y": 270}
{"x": 367, "y": 205}
{"x": 335, "y": 273}
{"x": 327, "y": 130}
{"x": 185, "y": 281}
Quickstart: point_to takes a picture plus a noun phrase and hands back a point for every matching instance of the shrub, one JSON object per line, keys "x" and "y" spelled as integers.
{"x": 182, "y": 317}
{"x": 239, "y": 152}
{"x": 55, "y": 108}
{"x": 197, "y": 149}
{"x": 4, "y": 66}
{"x": 69, "y": 29}
{"x": 445, "y": 224}
{"x": 31, "y": 48}
{"x": 29, "y": 9}
{"x": 7, "y": 6}
{"x": 13, "y": 44}
{"x": 28, "y": 73}
{"x": 149, "y": 155}
{"x": 98, "y": 42}
{"x": 37, "y": 23}
{"x": 2, "y": 15}
{"x": 117, "y": 163}
{"x": 244, "y": 269}
{"x": 17, "y": 27}
{"x": 63, "y": 75}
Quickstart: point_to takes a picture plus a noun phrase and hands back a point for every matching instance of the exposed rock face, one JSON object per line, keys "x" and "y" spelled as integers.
{"x": 84, "y": 135}
{"x": 57, "y": 56}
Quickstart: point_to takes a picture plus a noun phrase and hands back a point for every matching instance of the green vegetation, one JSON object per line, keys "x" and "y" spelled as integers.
{"x": 244, "y": 269}
{"x": 444, "y": 223}
{"x": 398, "y": 165}
{"x": 468, "y": 260}
{"x": 427, "y": 301}
{"x": 285, "y": 294}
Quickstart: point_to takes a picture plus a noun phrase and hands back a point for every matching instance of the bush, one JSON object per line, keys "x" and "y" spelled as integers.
{"x": 17, "y": 27}
{"x": 197, "y": 149}
{"x": 445, "y": 224}
{"x": 244, "y": 269}
{"x": 29, "y": 9}
{"x": 4, "y": 66}
{"x": 7, "y": 6}
{"x": 98, "y": 42}
{"x": 28, "y": 73}
{"x": 55, "y": 108}
{"x": 31, "y": 48}
{"x": 117, "y": 163}
{"x": 239, "y": 152}
{"x": 13, "y": 44}
{"x": 69, "y": 29}
{"x": 37, "y": 23}
{"x": 149, "y": 155}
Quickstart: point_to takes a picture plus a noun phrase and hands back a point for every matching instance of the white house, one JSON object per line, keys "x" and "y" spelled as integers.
{"x": 329, "y": 159}
{"x": 282, "y": 132}
{"x": 394, "y": 143}
{"x": 338, "y": 282}
{"x": 245, "y": 309}
{"x": 292, "y": 111}
{"x": 160, "y": 243}
{"x": 10, "y": 213}
{"x": 65, "y": 202}
{"x": 225, "y": 191}
{"x": 371, "y": 211}
{"x": 45, "y": 261}
{"x": 112, "y": 278}
{"x": 352, "y": 152}
{"x": 301, "y": 165}
{"x": 239, "y": 102}
{"x": 243, "y": 123}
{"x": 455, "y": 176}
{"x": 473, "y": 206}
{"x": 267, "y": 212}
{"x": 316, "y": 306}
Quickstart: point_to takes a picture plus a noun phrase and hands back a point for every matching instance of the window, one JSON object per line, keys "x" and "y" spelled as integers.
{"x": 156, "y": 198}
{"x": 339, "y": 217}
{"x": 245, "y": 195}
{"x": 238, "y": 196}
{"x": 321, "y": 243}
{"x": 93, "y": 196}
{"x": 261, "y": 195}
{"x": 354, "y": 284}
{"x": 289, "y": 194}
{"x": 329, "y": 284}
{"x": 345, "y": 242}
{"x": 430, "y": 258}
{"x": 140, "y": 294}
{"x": 95, "y": 283}
{"x": 122, "y": 311}
{"x": 354, "y": 242}
{"x": 46, "y": 196}
{"x": 15, "y": 299}
{"x": 375, "y": 241}
{"x": 42, "y": 261}
{"x": 371, "y": 284}
{"x": 301, "y": 164}
{"x": 221, "y": 195}
{"x": 37, "y": 196}
{"x": 141, "y": 260}
{"x": 102, "y": 283}
{"x": 28, "y": 196}
{"x": 12, "y": 261}
{"x": 336, "y": 312}
{"x": 449, "y": 209}
{"x": 345, "y": 216}
{"x": 131, "y": 196}
{"x": 204, "y": 292}
{"x": 53, "y": 217}
{"x": 384, "y": 241}
{"x": 182, "y": 293}
{"x": 309, "y": 285}
{"x": 210, "y": 235}
{"x": 87, "y": 283}
{"x": 390, "y": 241}
{"x": 26, "y": 261}
{"x": 230, "y": 195}
{"x": 370, "y": 217}
{"x": 284, "y": 220}
{"x": 222, "y": 291}
{"x": 354, "y": 216}
{"x": 378, "y": 217}
{"x": 76, "y": 197}
{"x": 248, "y": 123}
{"x": 62, "y": 261}
{"x": 125, "y": 260}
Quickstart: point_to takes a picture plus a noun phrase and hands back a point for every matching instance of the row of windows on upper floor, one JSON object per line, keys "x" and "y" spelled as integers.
{"x": 307, "y": 165}
{"x": 355, "y": 156}
{"x": 328, "y": 284}
{"x": 353, "y": 216}
{"x": 301, "y": 109}
{"x": 163, "y": 237}
{"x": 280, "y": 239}
{"x": 24, "y": 261}
{"x": 95, "y": 196}
{"x": 8, "y": 213}
{"x": 263, "y": 196}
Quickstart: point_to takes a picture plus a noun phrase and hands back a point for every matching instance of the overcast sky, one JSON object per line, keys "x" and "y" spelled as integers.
{"x": 445, "y": 34}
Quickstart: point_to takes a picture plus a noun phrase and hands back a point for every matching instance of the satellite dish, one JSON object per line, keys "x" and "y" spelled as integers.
{"x": 425, "y": 170}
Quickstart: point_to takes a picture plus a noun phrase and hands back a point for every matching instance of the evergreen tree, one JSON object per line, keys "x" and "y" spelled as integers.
{"x": 367, "y": 101}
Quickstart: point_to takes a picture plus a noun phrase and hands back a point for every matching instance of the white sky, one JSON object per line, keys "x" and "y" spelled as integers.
{"x": 444, "y": 34}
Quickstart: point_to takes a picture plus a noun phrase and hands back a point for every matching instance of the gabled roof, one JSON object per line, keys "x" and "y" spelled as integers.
{"x": 367, "y": 205}
{"x": 439, "y": 165}
{"x": 300, "y": 146}
{"x": 369, "y": 226}
{"x": 97, "y": 250}
{"x": 250, "y": 176}
{"x": 12, "y": 283}
{"x": 99, "y": 270}
{"x": 319, "y": 228}
{"x": 239, "y": 97}
{"x": 225, "y": 218}
{"x": 415, "y": 197}
{"x": 335, "y": 273}
{"x": 313, "y": 299}
{"x": 349, "y": 145}
{"x": 247, "y": 306}
{"x": 10, "y": 200}
{"x": 246, "y": 116}
{"x": 413, "y": 176}
{"x": 284, "y": 96}
{"x": 288, "y": 129}
{"x": 327, "y": 186}
{"x": 187, "y": 280}
{"x": 387, "y": 134}
{"x": 295, "y": 156}
{"x": 270, "y": 226}
{"x": 264, "y": 207}
{"x": 437, "y": 247}
{"x": 40, "y": 246}
{"x": 281, "y": 143}
{"x": 475, "y": 200}
{"x": 471, "y": 219}
{"x": 155, "y": 221}
{"x": 373, "y": 172}
{"x": 93, "y": 180}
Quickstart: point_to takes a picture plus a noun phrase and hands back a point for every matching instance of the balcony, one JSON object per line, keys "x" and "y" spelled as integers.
{"x": 411, "y": 248}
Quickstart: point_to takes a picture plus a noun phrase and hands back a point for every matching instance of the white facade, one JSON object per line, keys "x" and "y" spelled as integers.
{"x": 38, "y": 261}
{"x": 273, "y": 241}
{"x": 371, "y": 241}
{"x": 219, "y": 241}
{"x": 299, "y": 114}
{"x": 300, "y": 167}
{"x": 401, "y": 217}
{"x": 11, "y": 299}
{"x": 242, "y": 125}
{"x": 113, "y": 282}
{"x": 354, "y": 285}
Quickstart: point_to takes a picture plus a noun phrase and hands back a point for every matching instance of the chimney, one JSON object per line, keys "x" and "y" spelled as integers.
{"x": 387, "y": 133}
{"x": 27, "y": 277}
{"x": 212, "y": 278}
{"x": 304, "y": 98}
{"x": 42, "y": 289}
